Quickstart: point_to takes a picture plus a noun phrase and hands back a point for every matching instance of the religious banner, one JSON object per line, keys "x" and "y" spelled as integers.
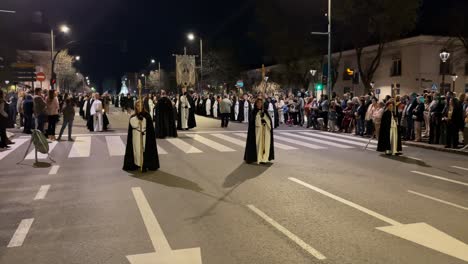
{"x": 185, "y": 70}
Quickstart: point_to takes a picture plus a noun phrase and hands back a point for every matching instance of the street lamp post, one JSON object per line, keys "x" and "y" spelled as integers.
{"x": 153, "y": 61}
{"x": 454, "y": 78}
{"x": 191, "y": 37}
{"x": 444, "y": 56}
{"x": 64, "y": 29}
{"x": 313, "y": 72}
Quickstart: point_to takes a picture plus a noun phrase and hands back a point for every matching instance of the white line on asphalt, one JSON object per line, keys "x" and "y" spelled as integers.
{"x": 21, "y": 233}
{"x": 210, "y": 143}
{"x": 32, "y": 155}
{"x": 355, "y": 138}
{"x": 349, "y": 203}
{"x": 155, "y": 232}
{"x": 287, "y": 233}
{"x": 81, "y": 148}
{"x": 460, "y": 168}
{"x": 41, "y": 194}
{"x": 115, "y": 145}
{"x": 413, "y": 158}
{"x": 184, "y": 146}
{"x": 18, "y": 143}
{"x": 161, "y": 150}
{"x": 350, "y": 142}
{"x": 440, "y": 178}
{"x": 277, "y": 145}
{"x": 230, "y": 139}
{"x": 439, "y": 200}
{"x": 54, "y": 169}
{"x": 299, "y": 143}
{"x": 318, "y": 141}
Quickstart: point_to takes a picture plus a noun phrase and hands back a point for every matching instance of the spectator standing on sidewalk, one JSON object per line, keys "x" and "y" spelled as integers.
{"x": 68, "y": 111}
{"x": 377, "y": 118}
{"x": 19, "y": 108}
{"x": 369, "y": 113}
{"x": 3, "y": 122}
{"x": 28, "y": 111}
{"x": 52, "y": 113}
{"x": 40, "y": 109}
{"x": 418, "y": 117}
{"x": 360, "y": 117}
{"x": 465, "y": 131}
{"x": 454, "y": 119}
{"x": 225, "y": 109}
{"x": 12, "y": 110}
{"x": 435, "y": 108}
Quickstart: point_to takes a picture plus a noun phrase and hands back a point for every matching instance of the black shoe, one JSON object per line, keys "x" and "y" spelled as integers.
{"x": 71, "y": 140}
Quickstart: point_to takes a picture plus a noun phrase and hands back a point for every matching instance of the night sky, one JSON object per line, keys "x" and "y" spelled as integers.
{"x": 120, "y": 36}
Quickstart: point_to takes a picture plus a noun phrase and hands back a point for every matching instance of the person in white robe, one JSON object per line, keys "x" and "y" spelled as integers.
{"x": 271, "y": 112}
{"x": 183, "y": 105}
{"x": 246, "y": 107}
{"x": 208, "y": 106}
{"x": 236, "y": 110}
{"x": 215, "y": 108}
{"x": 97, "y": 113}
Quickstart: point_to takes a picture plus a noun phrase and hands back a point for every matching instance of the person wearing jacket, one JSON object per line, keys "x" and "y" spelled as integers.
{"x": 68, "y": 111}
{"x": 3, "y": 122}
{"x": 28, "y": 111}
{"x": 53, "y": 107}
{"x": 418, "y": 117}
{"x": 454, "y": 119}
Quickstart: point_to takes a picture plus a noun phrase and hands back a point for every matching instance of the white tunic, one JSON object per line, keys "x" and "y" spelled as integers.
{"x": 184, "y": 111}
{"x": 136, "y": 139}
{"x": 208, "y": 107}
{"x": 246, "y": 111}
{"x": 262, "y": 138}
{"x": 151, "y": 108}
{"x": 236, "y": 110}
{"x": 215, "y": 109}
{"x": 271, "y": 112}
{"x": 96, "y": 112}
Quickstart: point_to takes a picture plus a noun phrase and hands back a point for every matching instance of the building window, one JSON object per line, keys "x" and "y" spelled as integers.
{"x": 396, "y": 67}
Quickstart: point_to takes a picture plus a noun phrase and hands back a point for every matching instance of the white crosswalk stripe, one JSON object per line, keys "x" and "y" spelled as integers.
{"x": 297, "y": 142}
{"x": 81, "y": 148}
{"x": 32, "y": 155}
{"x": 115, "y": 145}
{"x": 184, "y": 146}
{"x": 230, "y": 139}
{"x": 161, "y": 151}
{"x": 210, "y": 143}
{"x": 318, "y": 141}
{"x": 18, "y": 143}
{"x": 277, "y": 145}
{"x": 349, "y": 142}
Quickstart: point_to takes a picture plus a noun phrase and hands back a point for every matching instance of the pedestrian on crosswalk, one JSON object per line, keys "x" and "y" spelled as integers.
{"x": 3, "y": 122}
{"x": 225, "y": 109}
{"x": 68, "y": 117}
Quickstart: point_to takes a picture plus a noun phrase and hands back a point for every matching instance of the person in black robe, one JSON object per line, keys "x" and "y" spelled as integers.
{"x": 389, "y": 136}
{"x": 89, "y": 117}
{"x": 80, "y": 105}
{"x": 165, "y": 125}
{"x": 150, "y": 151}
{"x": 192, "y": 123}
{"x": 203, "y": 106}
{"x": 259, "y": 122}
{"x": 242, "y": 116}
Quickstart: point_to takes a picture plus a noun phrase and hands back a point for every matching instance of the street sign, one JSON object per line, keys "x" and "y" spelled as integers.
{"x": 434, "y": 87}
{"x": 40, "y": 76}
{"x": 377, "y": 91}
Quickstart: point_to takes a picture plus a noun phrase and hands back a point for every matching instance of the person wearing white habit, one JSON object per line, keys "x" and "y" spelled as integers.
{"x": 208, "y": 106}
{"x": 96, "y": 112}
{"x": 183, "y": 106}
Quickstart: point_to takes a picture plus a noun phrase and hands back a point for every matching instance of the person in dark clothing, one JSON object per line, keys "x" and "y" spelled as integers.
{"x": 164, "y": 118}
{"x": 418, "y": 117}
{"x": 68, "y": 111}
{"x": 259, "y": 147}
{"x": 409, "y": 117}
{"x": 28, "y": 108}
{"x": 192, "y": 123}
{"x": 454, "y": 119}
{"x": 436, "y": 121}
{"x": 389, "y": 136}
{"x": 3, "y": 122}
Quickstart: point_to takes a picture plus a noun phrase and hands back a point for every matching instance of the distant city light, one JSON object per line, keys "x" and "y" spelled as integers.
{"x": 191, "y": 36}
{"x": 64, "y": 28}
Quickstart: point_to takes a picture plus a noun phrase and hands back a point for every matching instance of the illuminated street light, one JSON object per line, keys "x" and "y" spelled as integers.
{"x": 191, "y": 36}
{"x": 77, "y": 58}
{"x": 153, "y": 61}
{"x": 64, "y": 28}
{"x": 444, "y": 55}
{"x": 142, "y": 75}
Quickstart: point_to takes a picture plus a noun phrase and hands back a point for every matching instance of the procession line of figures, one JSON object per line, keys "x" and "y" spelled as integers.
{"x": 141, "y": 151}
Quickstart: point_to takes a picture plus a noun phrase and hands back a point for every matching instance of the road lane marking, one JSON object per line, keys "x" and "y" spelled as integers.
{"x": 338, "y": 140}
{"x": 318, "y": 141}
{"x": 440, "y": 178}
{"x": 287, "y": 233}
{"x": 18, "y": 143}
{"x": 21, "y": 233}
{"x": 297, "y": 142}
{"x": 276, "y": 144}
{"x": 210, "y": 143}
{"x": 355, "y": 138}
{"x": 115, "y": 145}
{"x": 413, "y": 158}
{"x": 54, "y": 169}
{"x": 41, "y": 194}
{"x": 81, "y": 148}
{"x": 161, "y": 150}
{"x": 32, "y": 155}
{"x": 230, "y": 139}
{"x": 184, "y": 146}
{"x": 155, "y": 232}
{"x": 439, "y": 200}
{"x": 460, "y": 168}
{"x": 348, "y": 203}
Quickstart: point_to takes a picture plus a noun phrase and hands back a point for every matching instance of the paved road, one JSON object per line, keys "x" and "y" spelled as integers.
{"x": 320, "y": 202}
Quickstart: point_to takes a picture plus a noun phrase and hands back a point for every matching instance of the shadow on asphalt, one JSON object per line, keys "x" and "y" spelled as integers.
{"x": 407, "y": 160}
{"x": 169, "y": 180}
{"x": 243, "y": 173}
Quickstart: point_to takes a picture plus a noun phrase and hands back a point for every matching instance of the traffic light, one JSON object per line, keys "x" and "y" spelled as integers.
{"x": 324, "y": 79}
{"x": 319, "y": 87}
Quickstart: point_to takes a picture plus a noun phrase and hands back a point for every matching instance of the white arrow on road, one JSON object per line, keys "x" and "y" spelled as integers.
{"x": 419, "y": 233}
{"x": 163, "y": 253}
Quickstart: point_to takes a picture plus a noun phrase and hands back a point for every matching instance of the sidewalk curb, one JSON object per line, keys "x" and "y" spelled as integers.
{"x": 419, "y": 145}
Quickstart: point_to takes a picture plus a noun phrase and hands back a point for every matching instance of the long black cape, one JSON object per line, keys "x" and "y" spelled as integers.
{"x": 250, "y": 154}
{"x": 89, "y": 117}
{"x": 241, "y": 116}
{"x": 150, "y": 154}
{"x": 164, "y": 119}
{"x": 384, "y": 143}
{"x": 192, "y": 123}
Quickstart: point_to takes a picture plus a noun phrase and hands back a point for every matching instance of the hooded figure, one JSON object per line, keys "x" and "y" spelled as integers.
{"x": 259, "y": 147}
{"x": 389, "y": 136}
{"x": 141, "y": 152}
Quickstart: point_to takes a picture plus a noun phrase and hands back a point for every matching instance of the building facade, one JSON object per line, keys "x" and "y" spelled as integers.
{"x": 408, "y": 65}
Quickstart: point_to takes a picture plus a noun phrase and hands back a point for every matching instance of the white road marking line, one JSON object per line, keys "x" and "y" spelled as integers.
{"x": 355, "y": 138}
{"x": 440, "y": 178}
{"x": 18, "y": 143}
{"x": 277, "y": 145}
{"x": 230, "y": 139}
{"x": 184, "y": 146}
{"x": 41, "y": 194}
{"x": 115, "y": 146}
{"x": 161, "y": 150}
{"x": 32, "y": 155}
{"x": 54, "y": 169}
{"x": 287, "y": 233}
{"x": 318, "y": 141}
{"x": 155, "y": 232}
{"x": 439, "y": 200}
{"x": 297, "y": 142}
{"x": 81, "y": 148}
{"x": 346, "y": 202}
{"x": 21, "y": 233}
{"x": 460, "y": 168}
{"x": 338, "y": 140}
{"x": 413, "y": 158}
{"x": 210, "y": 143}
